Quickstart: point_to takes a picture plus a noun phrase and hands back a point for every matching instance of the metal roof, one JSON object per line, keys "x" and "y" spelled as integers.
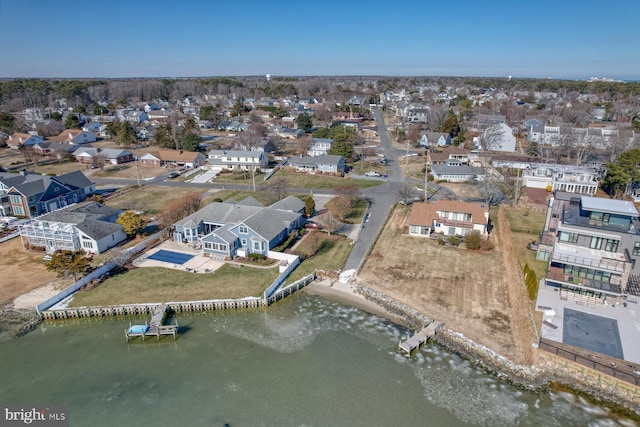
{"x": 599, "y": 204}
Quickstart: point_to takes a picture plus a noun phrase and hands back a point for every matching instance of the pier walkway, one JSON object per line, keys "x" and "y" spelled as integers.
{"x": 421, "y": 337}
{"x": 155, "y": 326}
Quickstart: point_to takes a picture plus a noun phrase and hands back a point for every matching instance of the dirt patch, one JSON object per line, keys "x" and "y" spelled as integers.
{"x": 24, "y": 271}
{"x": 463, "y": 189}
{"x": 467, "y": 290}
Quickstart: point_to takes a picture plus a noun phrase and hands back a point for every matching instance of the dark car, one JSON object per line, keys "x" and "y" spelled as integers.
{"x": 173, "y": 175}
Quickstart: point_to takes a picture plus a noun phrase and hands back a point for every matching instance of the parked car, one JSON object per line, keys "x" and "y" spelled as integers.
{"x": 173, "y": 175}
{"x": 312, "y": 225}
{"x": 372, "y": 173}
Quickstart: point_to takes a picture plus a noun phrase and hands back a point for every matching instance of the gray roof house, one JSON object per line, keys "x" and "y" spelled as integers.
{"x": 89, "y": 226}
{"x": 231, "y": 229}
{"x": 32, "y": 195}
{"x": 325, "y": 163}
{"x": 237, "y": 159}
{"x": 289, "y": 203}
{"x": 457, "y": 173}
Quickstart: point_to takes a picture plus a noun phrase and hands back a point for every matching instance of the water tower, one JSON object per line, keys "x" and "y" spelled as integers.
{"x": 268, "y": 77}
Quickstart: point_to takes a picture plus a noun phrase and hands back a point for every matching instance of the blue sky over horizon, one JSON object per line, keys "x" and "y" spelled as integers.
{"x": 559, "y": 39}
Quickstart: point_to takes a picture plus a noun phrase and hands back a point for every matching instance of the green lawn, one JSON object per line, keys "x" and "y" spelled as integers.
{"x": 332, "y": 256}
{"x": 155, "y": 284}
{"x": 524, "y": 219}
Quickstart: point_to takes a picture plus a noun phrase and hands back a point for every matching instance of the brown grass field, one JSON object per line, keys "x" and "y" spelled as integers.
{"x": 477, "y": 293}
{"x": 150, "y": 198}
{"x": 23, "y": 271}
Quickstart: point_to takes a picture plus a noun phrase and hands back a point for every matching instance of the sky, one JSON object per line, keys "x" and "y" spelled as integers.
{"x": 566, "y": 39}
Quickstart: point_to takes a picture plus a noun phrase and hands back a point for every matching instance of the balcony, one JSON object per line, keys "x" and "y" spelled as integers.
{"x": 556, "y": 274}
{"x": 455, "y": 223}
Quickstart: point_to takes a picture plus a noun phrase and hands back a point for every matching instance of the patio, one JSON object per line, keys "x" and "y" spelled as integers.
{"x": 199, "y": 263}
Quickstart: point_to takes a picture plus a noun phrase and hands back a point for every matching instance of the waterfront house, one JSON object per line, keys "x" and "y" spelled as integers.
{"x": 592, "y": 244}
{"x": 89, "y": 226}
{"x": 32, "y": 195}
{"x": 224, "y": 229}
{"x": 448, "y": 217}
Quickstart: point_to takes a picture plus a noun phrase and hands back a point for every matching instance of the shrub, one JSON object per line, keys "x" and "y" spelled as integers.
{"x": 441, "y": 241}
{"x": 455, "y": 241}
{"x": 473, "y": 240}
{"x": 256, "y": 257}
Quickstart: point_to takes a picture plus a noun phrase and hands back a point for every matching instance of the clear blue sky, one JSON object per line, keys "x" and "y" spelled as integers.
{"x": 559, "y": 39}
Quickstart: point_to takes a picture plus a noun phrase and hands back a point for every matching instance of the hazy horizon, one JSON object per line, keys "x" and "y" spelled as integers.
{"x": 571, "y": 40}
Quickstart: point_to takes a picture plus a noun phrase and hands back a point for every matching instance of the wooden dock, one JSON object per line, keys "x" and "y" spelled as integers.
{"x": 421, "y": 337}
{"x": 155, "y": 326}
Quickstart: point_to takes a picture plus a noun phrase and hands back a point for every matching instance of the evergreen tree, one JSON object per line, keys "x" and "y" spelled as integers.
{"x": 131, "y": 223}
{"x": 309, "y": 206}
{"x": 126, "y": 134}
{"x": 67, "y": 262}
{"x": 304, "y": 122}
{"x": 72, "y": 122}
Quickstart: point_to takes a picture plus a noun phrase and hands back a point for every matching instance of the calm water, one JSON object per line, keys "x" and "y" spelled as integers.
{"x": 305, "y": 362}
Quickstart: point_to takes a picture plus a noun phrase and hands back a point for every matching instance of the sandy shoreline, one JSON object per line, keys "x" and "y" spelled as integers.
{"x": 345, "y": 293}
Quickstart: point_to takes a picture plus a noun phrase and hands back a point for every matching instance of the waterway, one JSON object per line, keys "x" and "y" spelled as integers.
{"x": 306, "y": 361}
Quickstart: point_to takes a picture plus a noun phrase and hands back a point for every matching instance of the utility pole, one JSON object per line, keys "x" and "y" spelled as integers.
{"x": 253, "y": 177}
{"x": 406, "y": 162}
{"x": 426, "y": 181}
{"x": 137, "y": 172}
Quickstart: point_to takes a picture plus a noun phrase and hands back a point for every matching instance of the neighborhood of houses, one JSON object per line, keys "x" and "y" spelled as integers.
{"x": 591, "y": 244}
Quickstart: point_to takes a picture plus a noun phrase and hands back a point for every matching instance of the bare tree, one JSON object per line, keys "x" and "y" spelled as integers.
{"x": 437, "y": 115}
{"x": 277, "y": 188}
{"x": 304, "y": 144}
{"x": 406, "y": 191}
{"x": 489, "y": 187}
{"x": 331, "y": 223}
{"x": 491, "y": 137}
{"x": 341, "y": 207}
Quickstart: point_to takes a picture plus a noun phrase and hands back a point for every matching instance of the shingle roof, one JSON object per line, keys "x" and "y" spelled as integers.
{"x": 221, "y": 213}
{"x": 289, "y": 203}
{"x": 250, "y": 201}
{"x": 425, "y": 213}
{"x": 75, "y": 179}
{"x": 269, "y": 223}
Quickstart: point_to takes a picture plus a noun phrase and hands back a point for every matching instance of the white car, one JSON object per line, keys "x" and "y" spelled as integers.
{"x": 372, "y": 173}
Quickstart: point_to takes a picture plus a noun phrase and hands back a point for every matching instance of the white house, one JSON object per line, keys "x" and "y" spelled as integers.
{"x": 320, "y": 146}
{"x": 499, "y": 137}
{"x": 572, "y": 179}
{"x": 448, "y": 217}
{"x": 236, "y": 159}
